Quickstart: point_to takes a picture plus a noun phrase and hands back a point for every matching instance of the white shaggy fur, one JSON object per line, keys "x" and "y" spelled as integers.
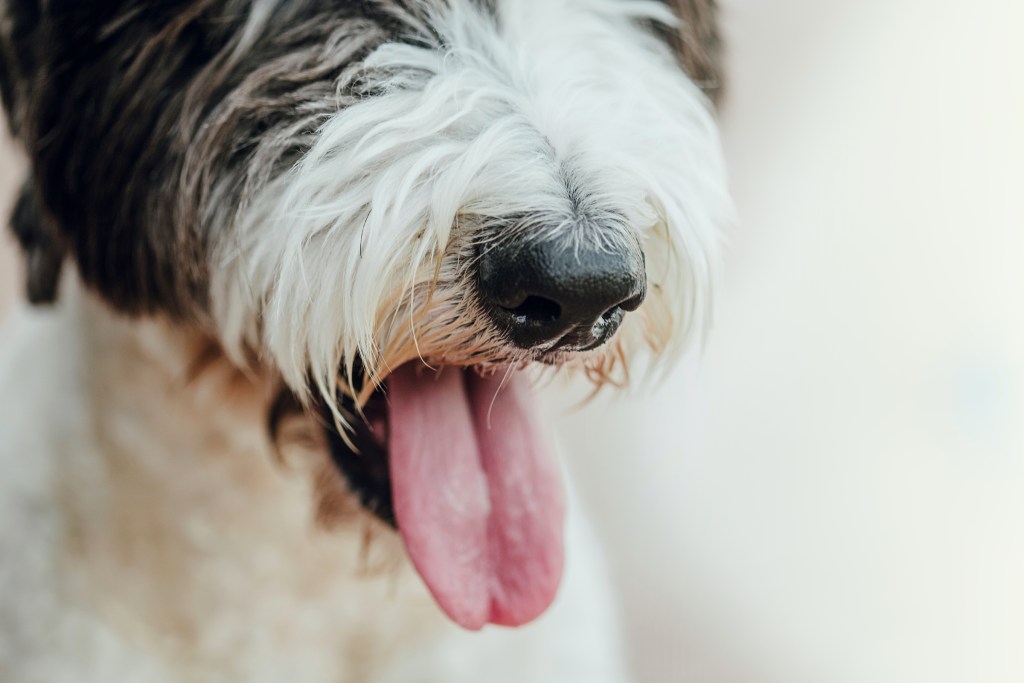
{"x": 345, "y": 254}
{"x": 136, "y": 494}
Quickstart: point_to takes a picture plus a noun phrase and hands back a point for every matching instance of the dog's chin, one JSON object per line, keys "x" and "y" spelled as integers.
{"x": 455, "y": 460}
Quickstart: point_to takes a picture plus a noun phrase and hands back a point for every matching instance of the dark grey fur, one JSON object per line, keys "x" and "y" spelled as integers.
{"x": 698, "y": 43}
{"x": 137, "y": 115}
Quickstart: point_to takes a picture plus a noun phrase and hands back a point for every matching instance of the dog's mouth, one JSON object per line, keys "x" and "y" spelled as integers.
{"x": 455, "y": 460}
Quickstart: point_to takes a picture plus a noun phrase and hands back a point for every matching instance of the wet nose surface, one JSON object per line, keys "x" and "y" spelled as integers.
{"x": 544, "y": 294}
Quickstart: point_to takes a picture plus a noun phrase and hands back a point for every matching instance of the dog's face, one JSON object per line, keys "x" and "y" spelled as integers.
{"x": 353, "y": 191}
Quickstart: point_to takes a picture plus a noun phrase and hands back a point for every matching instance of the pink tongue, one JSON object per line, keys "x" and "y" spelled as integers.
{"x": 478, "y": 497}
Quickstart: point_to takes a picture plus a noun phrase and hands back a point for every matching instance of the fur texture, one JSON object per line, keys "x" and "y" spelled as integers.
{"x": 269, "y": 205}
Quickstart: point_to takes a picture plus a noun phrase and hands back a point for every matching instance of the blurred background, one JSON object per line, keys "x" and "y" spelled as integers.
{"x": 833, "y": 490}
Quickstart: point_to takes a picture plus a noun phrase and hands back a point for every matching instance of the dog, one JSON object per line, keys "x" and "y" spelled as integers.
{"x": 296, "y": 265}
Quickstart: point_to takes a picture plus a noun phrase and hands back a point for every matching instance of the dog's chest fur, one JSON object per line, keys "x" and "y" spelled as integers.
{"x": 170, "y": 519}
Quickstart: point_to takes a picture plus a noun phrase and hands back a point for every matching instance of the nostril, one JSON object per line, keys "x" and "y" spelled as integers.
{"x": 620, "y": 309}
{"x": 536, "y": 309}
{"x": 611, "y": 313}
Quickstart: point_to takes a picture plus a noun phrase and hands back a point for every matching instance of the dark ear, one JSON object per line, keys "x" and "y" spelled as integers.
{"x": 697, "y": 43}
{"x": 44, "y": 253}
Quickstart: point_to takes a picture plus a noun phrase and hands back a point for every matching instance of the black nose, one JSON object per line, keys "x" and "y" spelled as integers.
{"x": 546, "y": 293}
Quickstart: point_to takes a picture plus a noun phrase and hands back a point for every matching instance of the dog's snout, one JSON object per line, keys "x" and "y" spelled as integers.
{"x": 545, "y": 293}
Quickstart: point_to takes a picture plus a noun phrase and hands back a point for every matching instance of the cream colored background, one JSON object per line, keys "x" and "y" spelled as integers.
{"x": 833, "y": 492}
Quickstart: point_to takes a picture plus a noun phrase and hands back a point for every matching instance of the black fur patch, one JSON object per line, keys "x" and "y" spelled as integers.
{"x": 144, "y": 120}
